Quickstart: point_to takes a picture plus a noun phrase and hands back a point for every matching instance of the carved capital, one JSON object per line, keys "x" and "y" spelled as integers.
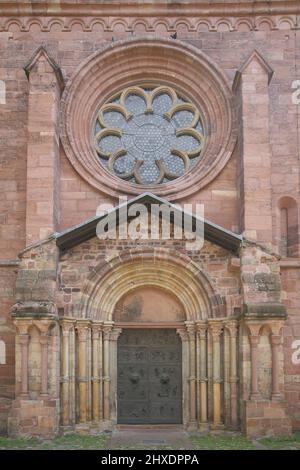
{"x": 66, "y": 326}
{"x": 23, "y": 326}
{"x": 183, "y": 334}
{"x": 96, "y": 329}
{"x": 201, "y": 330}
{"x": 276, "y": 340}
{"x": 254, "y": 340}
{"x": 107, "y": 327}
{"x": 232, "y": 326}
{"x": 83, "y": 327}
{"x": 33, "y": 308}
{"x": 215, "y": 328}
{"x": 115, "y": 333}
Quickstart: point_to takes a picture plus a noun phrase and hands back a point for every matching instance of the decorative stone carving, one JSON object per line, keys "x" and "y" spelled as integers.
{"x": 34, "y": 308}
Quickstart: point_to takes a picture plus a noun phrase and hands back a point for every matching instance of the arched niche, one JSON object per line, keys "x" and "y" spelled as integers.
{"x": 288, "y": 227}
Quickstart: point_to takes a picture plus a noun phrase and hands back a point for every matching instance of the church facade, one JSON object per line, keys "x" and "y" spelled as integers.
{"x": 115, "y": 119}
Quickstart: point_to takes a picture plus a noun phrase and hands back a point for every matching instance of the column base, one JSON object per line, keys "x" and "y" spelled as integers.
{"x": 255, "y": 396}
{"x": 266, "y": 418}
{"x": 192, "y": 426}
{"x": 277, "y": 397}
{"x": 217, "y": 427}
{"x": 34, "y": 418}
{"x": 203, "y": 427}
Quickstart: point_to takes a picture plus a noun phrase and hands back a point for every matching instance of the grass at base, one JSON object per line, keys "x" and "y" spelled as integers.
{"x": 68, "y": 441}
{"x": 222, "y": 442}
{"x": 283, "y": 442}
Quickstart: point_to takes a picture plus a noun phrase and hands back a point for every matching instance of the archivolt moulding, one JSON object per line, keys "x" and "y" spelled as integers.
{"x": 165, "y": 269}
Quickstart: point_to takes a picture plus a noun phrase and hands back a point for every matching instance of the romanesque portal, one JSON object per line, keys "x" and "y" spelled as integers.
{"x": 108, "y": 113}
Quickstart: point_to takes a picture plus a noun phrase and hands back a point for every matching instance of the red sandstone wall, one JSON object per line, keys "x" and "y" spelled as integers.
{"x": 78, "y": 200}
{"x": 70, "y": 44}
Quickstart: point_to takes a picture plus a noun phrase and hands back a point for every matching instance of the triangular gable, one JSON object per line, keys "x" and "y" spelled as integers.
{"x": 86, "y": 230}
{"x": 254, "y": 56}
{"x": 38, "y": 55}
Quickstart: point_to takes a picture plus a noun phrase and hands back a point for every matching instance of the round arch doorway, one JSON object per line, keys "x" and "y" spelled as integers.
{"x": 149, "y": 379}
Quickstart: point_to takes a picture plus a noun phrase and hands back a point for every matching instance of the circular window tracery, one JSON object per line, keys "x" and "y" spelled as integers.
{"x": 148, "y": 135}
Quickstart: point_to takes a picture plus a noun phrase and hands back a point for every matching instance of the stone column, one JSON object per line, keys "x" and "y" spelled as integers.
{"x": 83, "y": 328}
{"x": 202, "y": 370}
{"x": 101, "y": 405}
{"x": 216, "y": 330}
{"x": 192, "y": 378}
{"x": 24, "y": 342}
{"x": 89, "y": 375}
{"x": 107, "y": 327}
{"x": 275, "y": 343}
{"x": 185, "y": 374}
{"x": 233, "y": 379}
{"x": 96, "y": 330}
{"x": 72, "y": 374}
{"x": 254, "y": 339}
{"x": 114, "y": 335}
{"x": 44, "y": 341}
{"x": 65, "y": 379}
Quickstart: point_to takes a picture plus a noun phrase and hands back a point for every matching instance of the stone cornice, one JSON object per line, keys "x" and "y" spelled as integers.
{"x": 194, "y": 24}
{"x": 148, "y": 8}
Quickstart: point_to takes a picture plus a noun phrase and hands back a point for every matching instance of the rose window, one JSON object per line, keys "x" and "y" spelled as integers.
{"x": 148, "y": 135}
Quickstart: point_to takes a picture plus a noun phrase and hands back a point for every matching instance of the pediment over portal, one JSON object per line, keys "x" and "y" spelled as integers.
{"x": 87, "y": 230}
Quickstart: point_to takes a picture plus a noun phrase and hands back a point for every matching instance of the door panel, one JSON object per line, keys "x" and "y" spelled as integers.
{"x": 149, "y": 377}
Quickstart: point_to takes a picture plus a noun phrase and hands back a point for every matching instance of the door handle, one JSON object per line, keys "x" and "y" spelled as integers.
{"x": 134, "y": 378}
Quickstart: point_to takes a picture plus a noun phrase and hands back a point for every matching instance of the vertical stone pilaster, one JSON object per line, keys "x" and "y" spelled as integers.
{"x": 44, "y": 341}
{"x": 45, "y": 86}
{"x": 97, "y": 360}
{"x": 107, "y": 327}
{"x": 275, "y": 343}
{"x": 233, "y": 379}
{"x": 95, "y": 372}
{"x": 65, "y": 378}
{"x": 24, "y": 342}
{"x": 72, "y": 374}
{"x": 83, "y": 329}
{"x": 202, "y": 370}
{"x": 191, "y": 330}
{"x": 89, "y": 373}
{"x": 216, "y": 330}
{"x": 254, "y": 340}
{"x": 101, "y": 401}
{"x": 252, "y": 89}
{"x": 114, "y": 335}
{"x": 185, "y": 375}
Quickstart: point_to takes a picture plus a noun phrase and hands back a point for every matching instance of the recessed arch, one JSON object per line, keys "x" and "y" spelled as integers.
{"x": 160, "y": 268}
{"x": 288, "y": 226}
